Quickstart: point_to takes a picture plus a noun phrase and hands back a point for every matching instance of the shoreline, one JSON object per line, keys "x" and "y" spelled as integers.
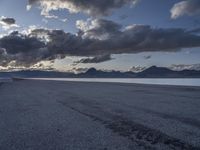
{"x": 145, "y": 81}
{"x": 188, "y": 82}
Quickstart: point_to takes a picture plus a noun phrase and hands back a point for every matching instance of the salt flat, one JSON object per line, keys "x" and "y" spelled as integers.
{"x": 59, "y": 115}
{"x": 3, "y": 80}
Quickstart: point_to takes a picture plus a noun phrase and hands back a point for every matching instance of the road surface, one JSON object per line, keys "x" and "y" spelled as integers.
{"x": 58, "y": 115}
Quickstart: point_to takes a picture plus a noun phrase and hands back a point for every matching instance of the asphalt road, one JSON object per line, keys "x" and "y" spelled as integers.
{"x": 57, "y": 115}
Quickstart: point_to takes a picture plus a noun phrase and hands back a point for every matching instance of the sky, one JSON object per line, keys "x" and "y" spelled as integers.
{"x": 68, "y": 35}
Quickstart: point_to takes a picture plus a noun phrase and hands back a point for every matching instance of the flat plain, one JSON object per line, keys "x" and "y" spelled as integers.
{"x": 60, "y": 115}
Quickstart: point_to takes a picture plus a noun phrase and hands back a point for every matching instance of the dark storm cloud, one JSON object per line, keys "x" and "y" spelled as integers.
{"x": 8, "y": 21}
{"x": 20, "y": 49}
{"x": 186, "y": 7}
{"x": 97, "y": 59}
{"x": 43, "y": 44}
{"x": 91, "y": 7}
{"x": 18, "y": 43}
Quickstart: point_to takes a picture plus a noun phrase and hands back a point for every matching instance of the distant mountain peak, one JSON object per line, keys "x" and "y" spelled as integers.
{"x": 155, "y": 68}
{"x": 151, "y": 72}
{"x": 91, "y": 70}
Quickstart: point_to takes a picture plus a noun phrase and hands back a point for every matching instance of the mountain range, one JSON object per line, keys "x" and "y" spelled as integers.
{"x": 151, "y": 72}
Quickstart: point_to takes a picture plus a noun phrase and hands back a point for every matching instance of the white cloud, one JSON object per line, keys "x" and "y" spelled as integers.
{"x": 186, "y": 7}
{"x": 90, "y": 7}
{"x": 179, "y": 67}
{"x": 8, "y": 23}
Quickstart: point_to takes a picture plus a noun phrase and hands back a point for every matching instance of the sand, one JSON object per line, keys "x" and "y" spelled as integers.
{"x": 58, "y": 115}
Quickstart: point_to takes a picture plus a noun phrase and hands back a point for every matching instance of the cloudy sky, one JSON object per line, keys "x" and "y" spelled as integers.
{"x": 106, "y": 34}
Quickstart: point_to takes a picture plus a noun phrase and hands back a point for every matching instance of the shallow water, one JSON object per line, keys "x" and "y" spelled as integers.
{"x": 160, "y": 81}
